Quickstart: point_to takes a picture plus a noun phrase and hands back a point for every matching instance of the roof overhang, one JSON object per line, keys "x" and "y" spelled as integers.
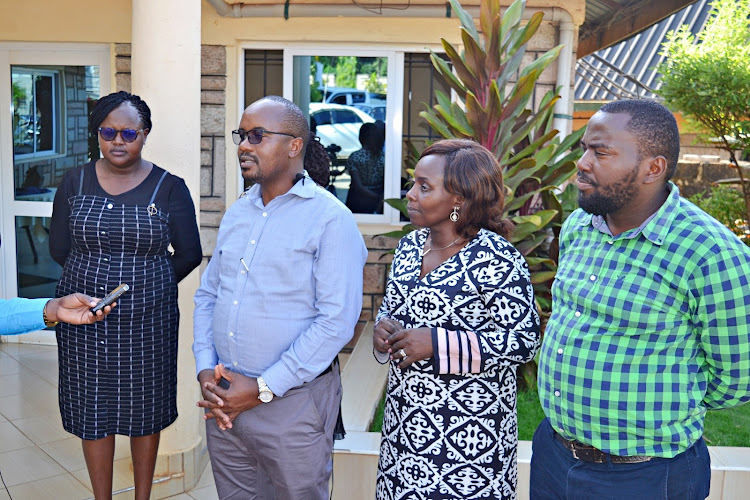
{"x": 604, "y": 23}
{"x": 611, "y": 21}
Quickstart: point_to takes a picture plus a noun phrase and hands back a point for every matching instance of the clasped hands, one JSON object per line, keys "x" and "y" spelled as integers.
{"x": 404, "y": 345}
{"x": 225, "y": 404}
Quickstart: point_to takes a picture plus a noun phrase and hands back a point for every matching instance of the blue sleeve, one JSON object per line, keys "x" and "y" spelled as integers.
{"x": 338, "y": 277}
{"x": 21, "y": 315}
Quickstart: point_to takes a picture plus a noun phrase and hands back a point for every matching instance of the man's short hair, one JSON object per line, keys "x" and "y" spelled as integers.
{"x": 653, "y": 126}
{"x": 293, "y": 120}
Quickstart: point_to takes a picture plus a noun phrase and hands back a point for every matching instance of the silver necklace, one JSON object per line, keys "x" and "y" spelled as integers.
{"x": 425, "y": 252}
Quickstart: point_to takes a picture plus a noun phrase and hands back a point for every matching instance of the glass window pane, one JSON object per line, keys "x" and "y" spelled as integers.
{"x": 50, "y": 125}
{"x": 37, "y": 272}
{"x": 22, "y": 88}
{"x": 346, "y": 98}
{"x": 264, "y": 75}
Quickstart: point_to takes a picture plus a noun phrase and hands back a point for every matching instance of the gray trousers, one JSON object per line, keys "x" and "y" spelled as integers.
{"x": 281, "y": 450}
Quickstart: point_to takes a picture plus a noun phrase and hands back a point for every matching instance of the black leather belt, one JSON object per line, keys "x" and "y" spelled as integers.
{"x": 588, "y": 453}
{"x": 330, "y": 367}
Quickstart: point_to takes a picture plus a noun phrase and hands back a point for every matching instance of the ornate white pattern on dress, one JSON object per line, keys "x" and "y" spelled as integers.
{"x": 446, "y": 436}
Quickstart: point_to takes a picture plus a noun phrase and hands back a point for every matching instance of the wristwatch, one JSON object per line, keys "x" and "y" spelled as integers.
{"x": 264, "y": 393}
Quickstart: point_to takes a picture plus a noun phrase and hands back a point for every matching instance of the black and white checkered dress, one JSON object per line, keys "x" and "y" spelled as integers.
{"x": 119, "y": 376}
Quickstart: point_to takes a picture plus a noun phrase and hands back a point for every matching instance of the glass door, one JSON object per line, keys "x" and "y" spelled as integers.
{"x": 50, "y": 94}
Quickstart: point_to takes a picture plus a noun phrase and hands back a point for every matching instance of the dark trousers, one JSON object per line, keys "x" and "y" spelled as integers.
{"x": 556, "y": 474}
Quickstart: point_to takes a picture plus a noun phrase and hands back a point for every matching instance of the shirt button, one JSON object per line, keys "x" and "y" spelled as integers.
{"x": 242, "y": 272}
{"x": 235, "y": 302}
{"x": 104, "y": 232}
{"x": 252, "y": 242}
{"x": 592, "y": 278}
{"x": 578, "y": 314}
{"x": 265, "y": 214}
{"x": 231, "y": 334}
{"x": 557, "y": 393}
{"x": 109, "y": 205}
{"x": 235, "y": 363}
{"x": 101, "y": 288}
{"x": 560, "y": 351}
{"x": 102, "y": 342}
{"x": 106, "y": 259}
{"x": 610, "y": 242}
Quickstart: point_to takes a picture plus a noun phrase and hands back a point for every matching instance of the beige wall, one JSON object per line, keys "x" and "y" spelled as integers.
{"x": 65, "y": 21}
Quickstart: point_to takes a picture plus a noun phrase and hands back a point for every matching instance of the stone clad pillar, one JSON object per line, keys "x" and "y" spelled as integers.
{"x": 166, "y": 72}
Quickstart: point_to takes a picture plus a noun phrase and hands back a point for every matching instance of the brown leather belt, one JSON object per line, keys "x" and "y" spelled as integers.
{"x": 588, "y": 453}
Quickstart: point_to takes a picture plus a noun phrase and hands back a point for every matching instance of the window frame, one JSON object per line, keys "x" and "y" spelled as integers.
{"x": 392, "y": 187}
{"x": 18, "y": 54}
{"x": 371, "y": 224}
{"x": 58, "y": 111}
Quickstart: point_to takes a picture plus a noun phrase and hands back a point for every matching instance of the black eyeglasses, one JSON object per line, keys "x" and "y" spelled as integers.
{"x": 254, "y": 136}
{"x": 128, "y": 134}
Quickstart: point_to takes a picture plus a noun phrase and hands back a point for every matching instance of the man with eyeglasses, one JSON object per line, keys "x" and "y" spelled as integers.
{"x": 277, "y": 302}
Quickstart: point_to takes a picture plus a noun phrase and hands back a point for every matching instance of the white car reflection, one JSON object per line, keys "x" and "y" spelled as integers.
{"x": 338, "y": 124}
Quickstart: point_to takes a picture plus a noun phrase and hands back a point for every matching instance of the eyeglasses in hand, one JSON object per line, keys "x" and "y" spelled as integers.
{"x": 254, "y": 136}
{"x": 128, "y": 134}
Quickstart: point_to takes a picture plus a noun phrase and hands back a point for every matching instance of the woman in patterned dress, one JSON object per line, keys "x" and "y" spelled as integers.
{"x": 457, "y": 318}
{"x": 113, "y": 222}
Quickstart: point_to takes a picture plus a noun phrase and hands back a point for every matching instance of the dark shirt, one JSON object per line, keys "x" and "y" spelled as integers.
{"x": 173, "y": 198}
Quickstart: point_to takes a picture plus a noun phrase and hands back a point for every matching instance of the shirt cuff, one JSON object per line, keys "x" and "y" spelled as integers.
{"x": 205, "y": 360}
{"x": 279, "y": 379}
{"x": 456, "y": 352}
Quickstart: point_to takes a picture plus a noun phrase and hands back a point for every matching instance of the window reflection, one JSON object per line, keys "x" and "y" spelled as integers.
{"x": 344, "y": 95}
{"x": 50, "y": 125}
{"x": 37, "y": 272}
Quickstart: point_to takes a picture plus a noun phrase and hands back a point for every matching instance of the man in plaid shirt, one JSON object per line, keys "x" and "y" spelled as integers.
{"x": 649, "y": 327}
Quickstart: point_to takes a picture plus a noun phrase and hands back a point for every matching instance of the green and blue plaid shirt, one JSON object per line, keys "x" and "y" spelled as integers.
{"x": 648, "y": 330}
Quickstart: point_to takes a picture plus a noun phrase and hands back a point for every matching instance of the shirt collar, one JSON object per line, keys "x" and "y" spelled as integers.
{"x": 655, "y": 228}
{"x": 304, "y": 188}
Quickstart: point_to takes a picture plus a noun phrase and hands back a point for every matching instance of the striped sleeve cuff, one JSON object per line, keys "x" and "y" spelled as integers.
{"x": 456, "y": 352}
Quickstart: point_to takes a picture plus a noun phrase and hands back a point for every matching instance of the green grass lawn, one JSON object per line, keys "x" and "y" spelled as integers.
{"x": 723, "y": 428}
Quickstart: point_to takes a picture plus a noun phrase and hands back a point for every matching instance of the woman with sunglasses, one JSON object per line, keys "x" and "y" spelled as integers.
{"x": 113, "y": 221}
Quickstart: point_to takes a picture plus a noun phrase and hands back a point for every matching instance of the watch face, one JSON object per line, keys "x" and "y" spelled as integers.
{"x": 265, "y": 396}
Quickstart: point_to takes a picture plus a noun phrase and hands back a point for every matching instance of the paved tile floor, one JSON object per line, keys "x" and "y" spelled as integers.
{"x": 38, "y": 459}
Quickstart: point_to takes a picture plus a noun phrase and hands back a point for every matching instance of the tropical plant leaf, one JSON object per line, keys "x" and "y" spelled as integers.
{"x": 444, "y": 70}
{"x": 459, "y": 66}
{"x": 528, "y": 246}
{"x": 436, "y": 124}
{"x": 497, "y": 93}
{"x": 474, "y": 58}
{"x": 467, "y": 22}
{"x": 527, "y": 31}
{"x": 399, "y": 204}
{"x": 511, "y": 19}
{"x": 542, "y": 277}
{"x": 541, "y": 63}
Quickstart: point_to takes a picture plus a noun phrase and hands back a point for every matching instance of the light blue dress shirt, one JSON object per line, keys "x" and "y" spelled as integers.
{"x": 21, "y": 315}
{"x": 283, "y": 290}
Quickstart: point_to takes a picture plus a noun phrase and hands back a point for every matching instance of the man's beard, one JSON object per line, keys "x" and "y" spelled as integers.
{"x": 609, "y": 199}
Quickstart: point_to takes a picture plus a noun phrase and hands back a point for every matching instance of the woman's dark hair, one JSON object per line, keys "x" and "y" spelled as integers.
{"x": 472, "y": 172}
{"x": 108, "y": 103}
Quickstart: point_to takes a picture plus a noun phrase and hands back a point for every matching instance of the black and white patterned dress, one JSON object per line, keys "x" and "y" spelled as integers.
{"x": 119, "y": 375}
{"x": 450, "y": 428}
